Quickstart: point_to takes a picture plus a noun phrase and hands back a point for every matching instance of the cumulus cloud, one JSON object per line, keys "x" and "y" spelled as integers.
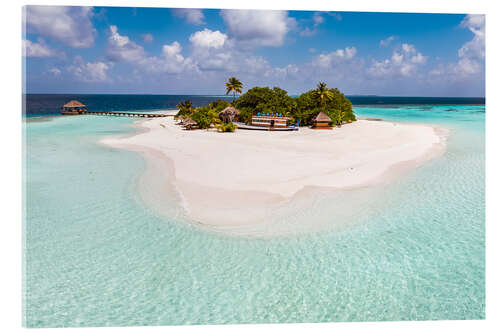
{"x": 40, "y": 49}
{"x": 121, "y": 48}
{"x": 192, "y": 16}
{"x": 471, "y": 54}
{"x": 470, "y": 63}
{"x": 258, "y": 27}
{"x": 404, "y": 62}
{"x": 171, "y": 61}
{"x": 387, "y": 41}
{"x": 208, "y": 38}
{"x": 326, "y": 60}
{"x": 90, "y": 71}
{"x": 70, "y": 25}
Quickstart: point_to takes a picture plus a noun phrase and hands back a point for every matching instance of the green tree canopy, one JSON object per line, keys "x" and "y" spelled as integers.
{"x": 336, "y": 106}
{"x": 264, "y": 99}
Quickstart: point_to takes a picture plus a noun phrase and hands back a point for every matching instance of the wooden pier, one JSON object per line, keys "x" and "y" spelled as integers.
{"x": 126, "y": 114}
{"x": 74, "y": 108}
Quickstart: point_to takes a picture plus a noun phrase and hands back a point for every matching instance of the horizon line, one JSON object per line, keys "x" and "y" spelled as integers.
{"x": 223, "y": 95}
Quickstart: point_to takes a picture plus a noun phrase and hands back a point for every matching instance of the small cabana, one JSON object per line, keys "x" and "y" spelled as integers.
{"x": 73, "y": 107}
{"x": 229, "y": 114}
{"x": 322, "y": 121}
{"x": 189, "y": 124}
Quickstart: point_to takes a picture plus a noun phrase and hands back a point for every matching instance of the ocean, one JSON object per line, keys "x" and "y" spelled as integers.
{"x": 96, "y": 255}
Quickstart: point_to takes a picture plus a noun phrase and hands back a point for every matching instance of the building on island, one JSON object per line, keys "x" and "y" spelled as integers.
{"x": 270, "y": 120}
{"x": 322, "y": 121}
{"x": 73, "y": 107}
{"x": 229, "y": 114}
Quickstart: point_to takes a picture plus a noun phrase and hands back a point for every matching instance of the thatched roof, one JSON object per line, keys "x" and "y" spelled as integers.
{"x": 188, "y": 122}
{"x": 229, "y": 111}
{"x": 73, "y": 104}
{"x": 322, "y": 117}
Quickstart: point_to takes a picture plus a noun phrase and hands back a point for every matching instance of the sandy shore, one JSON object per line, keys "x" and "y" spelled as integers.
{"x": 232, "y": 180}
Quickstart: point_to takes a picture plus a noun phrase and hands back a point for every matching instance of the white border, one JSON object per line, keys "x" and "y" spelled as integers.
{"x": 11, "y": 163}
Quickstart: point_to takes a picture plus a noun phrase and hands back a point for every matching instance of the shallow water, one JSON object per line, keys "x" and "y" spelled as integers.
{"x": 95, "y": 255}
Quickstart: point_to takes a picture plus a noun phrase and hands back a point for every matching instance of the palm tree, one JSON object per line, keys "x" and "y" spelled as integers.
{"x": 322, "y": 93}
{"x": 234, "y": 85}
{"x": 185, "y": 106}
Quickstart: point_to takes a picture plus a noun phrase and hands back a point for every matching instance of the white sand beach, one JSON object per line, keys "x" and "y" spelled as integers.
{"x": 229, "y": 180}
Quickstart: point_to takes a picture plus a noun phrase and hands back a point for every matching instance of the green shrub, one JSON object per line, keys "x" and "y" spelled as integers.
{"x": 226, "y": 127}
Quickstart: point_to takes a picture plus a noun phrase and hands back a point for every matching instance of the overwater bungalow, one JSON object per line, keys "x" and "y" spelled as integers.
{"x": 322, "y": 121}
{"x": 73, "y": 107}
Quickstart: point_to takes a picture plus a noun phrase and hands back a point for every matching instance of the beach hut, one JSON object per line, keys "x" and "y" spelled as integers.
{"x": 189, "y": 123}
{"x": 322, "y": 121}
{"x": 180, "y": 120}
{"x": 229, "y": 114}
{"x": 73, "y": 107}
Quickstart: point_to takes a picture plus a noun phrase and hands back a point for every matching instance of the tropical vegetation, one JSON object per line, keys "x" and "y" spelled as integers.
{"x": 302, "y": 109}
{"x": 235, "y": 86}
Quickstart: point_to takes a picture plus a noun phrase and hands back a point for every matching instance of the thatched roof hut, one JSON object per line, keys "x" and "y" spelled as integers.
{"x": 73, "y": 103}
{"x": 229, "y": 113}
{"x": 189, "y": 123}
{"x": 322, "y": 121}
{"x": 73, "y": 107}
{"x": 180, "y": 119}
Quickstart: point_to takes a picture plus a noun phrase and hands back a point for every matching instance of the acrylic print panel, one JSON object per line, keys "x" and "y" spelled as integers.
{"x": 205, "y": 166}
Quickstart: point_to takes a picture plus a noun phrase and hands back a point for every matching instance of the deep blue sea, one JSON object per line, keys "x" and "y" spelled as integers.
{"x": 50, "y": 104}
{"x": 96, "y": 255}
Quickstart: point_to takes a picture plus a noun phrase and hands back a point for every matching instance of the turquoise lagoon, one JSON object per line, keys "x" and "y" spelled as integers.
{"x": 96, "y": 255}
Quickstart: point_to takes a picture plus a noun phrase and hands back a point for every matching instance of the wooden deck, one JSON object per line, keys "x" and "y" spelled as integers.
{"x": 126, "y": 114}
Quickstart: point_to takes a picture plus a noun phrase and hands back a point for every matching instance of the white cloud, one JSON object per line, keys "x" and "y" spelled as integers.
{"x": 258, "y": 27}
{"x": 208, "y": 38}
{"x": 326, "y": 60}
{"x": 403, "y": 62}
{"x": 90, "y": 71}
{"x": 470, "y": 56}
{"x": 171, "y": 61}
{"x": 192, "y": 16}
{"x": 70, "y": 25}
{"x": 40, "y": 49}
{"x": 55, "y": 71}
{"x": 387, "y": 41}
{"x": 148, "y": 38}
{"x": 121, "y": 48}
{"x": 472, "y": 53}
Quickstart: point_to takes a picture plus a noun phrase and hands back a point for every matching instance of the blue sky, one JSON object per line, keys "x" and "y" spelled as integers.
{"x": 194, "y": 51}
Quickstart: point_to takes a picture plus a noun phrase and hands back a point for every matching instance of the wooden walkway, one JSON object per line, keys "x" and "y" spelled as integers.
{"x": 127, "y": 114}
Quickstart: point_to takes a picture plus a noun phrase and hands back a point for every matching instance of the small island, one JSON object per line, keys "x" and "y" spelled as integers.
{"x": 236, "y": 182}
{"x": 269, "y": 109}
